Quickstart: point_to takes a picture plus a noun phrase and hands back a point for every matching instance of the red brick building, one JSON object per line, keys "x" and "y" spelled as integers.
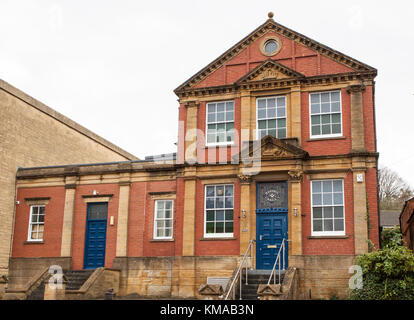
{"x": 276, "y": 141}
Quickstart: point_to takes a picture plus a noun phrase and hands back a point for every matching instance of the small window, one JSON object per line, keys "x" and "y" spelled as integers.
{"x": 163, "y": 219}
{"x": 271, "y": 117}
{"x": 36, "y": 223}
{"x": 271, "y": 46}
{"x": 325, "y": 114}
{"x": 219, "y": 207}
{"x": 328, "y": 208}
{"x": 220, "y": 123}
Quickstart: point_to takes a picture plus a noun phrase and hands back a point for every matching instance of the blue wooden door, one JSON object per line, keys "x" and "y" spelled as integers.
{"x": 95, "y": 238}
{"x": 271, "y": 230}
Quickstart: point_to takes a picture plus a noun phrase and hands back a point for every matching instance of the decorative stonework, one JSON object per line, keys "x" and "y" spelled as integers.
{"x": 272, "y": 148}
{"x": 356, "y": 88}
{"x": 265, "y": 40}
{"x": 244, "y": 179}
{"x": 270, "y": 69}
{"x": 271, "y": 26}
{"x": 192, "y": 104}
{"x": 295, "y": 175}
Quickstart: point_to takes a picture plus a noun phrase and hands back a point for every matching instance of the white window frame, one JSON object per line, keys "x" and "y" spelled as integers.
{"x": 276, "y": 118}
{"x": 31, "y": 224}
{"x": 325, "y": 136}
{"x": 163, "y": 219}
{"x": 328, "y": 233}
{"x": 226, "y": 143}
{"x": 217, "y": 235}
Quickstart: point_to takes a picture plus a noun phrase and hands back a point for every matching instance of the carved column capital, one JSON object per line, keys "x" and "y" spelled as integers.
{"x": 355, "y": 88}
{"x": 192, "y": 104}
{"x": 244, "y": 179}
{"x": 295, "y": 175}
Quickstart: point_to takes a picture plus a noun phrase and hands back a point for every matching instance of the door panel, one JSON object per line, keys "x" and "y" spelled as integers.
{"x": 270, "y": 230}
{"x": 95, "y": 238}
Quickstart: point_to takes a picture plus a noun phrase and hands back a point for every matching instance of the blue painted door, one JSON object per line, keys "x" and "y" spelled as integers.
{"x": 271, "y": 229}
{"x": 95, "y": 238}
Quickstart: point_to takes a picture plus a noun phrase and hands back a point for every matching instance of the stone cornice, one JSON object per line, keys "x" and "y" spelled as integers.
{"x": 275, "y": 84}
{"x": 271, "y": 26}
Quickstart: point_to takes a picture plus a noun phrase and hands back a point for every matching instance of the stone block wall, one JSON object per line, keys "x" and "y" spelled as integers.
{"x": 171, "y": 276}
{"x": 31, "y": 135}
{"x": 323, "y": 277}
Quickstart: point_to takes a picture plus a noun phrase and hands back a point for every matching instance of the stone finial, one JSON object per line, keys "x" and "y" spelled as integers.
{"x": 270, "y": 15}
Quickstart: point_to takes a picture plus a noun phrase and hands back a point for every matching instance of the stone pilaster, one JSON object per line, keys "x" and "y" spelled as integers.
{"x": 68, "y": 213}
{"x": 189, "y": 217}
{"x": 123, "y": 213}
{"x": 245, "y": 115}
{"x": 246, "y": 212}
{"x": 360, "y": 213}
{"x": 357, "y": 117}
{"x": 295, "y": 216}
{"x": 295, "y": 113}
{"x": 191, "y": 131}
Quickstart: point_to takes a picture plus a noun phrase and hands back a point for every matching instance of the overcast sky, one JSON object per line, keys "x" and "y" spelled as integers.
{"x": 112, "y": 66}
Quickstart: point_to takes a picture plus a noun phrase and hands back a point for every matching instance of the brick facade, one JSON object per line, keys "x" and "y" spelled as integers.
{"x": 178, "y": 266}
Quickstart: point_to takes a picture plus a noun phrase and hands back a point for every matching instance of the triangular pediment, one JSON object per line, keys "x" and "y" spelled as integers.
{"x": 270, "y": 70}
{"x": 271, "y": 148}
{"x": 270, "y": 26}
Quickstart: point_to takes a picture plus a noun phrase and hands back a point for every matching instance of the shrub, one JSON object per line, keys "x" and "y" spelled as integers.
{"x": 391, "y": 237}
{"x": 388, "y": 274}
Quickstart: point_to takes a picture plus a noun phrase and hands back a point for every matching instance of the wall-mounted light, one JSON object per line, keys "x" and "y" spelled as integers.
{"x": 111, "y": 221}
{"x": 295, "y": 212}
{"x": 244, "y": 214}
{"x": 95, "y": 192}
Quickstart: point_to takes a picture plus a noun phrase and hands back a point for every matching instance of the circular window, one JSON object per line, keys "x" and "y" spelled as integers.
{"x": 270, "y": 46}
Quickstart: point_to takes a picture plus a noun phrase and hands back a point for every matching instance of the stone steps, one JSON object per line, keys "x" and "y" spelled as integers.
{"x": 77, "y": 278}
{"x": 254, "y": 279}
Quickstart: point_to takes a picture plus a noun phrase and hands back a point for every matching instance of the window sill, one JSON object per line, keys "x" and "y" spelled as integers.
{"x": 326, "y": 138}
{"x": 220, "y": 146}
{"x": 162, "y": 240}
{"x": 33, "y": 242}
{"x": 327, "y": 237}
{"x": 218, "y": 239}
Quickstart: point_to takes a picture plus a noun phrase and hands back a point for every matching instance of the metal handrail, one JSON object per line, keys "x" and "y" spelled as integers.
{"x": 239, "y": 271}
{"x": 273, "y": 274}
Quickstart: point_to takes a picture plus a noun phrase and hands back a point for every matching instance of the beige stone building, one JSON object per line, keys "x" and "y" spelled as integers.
{"x": 31, "y": 135}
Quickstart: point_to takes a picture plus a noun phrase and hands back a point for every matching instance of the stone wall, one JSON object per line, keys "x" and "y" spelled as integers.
{"x": 171, "y": 276}
{"x": 31, "y": 135}
{"x": 23, "y": 269}
{"x": 323, "y": 277}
